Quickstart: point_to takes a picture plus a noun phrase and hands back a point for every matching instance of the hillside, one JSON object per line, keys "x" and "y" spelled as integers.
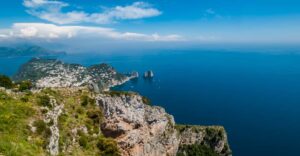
{"x": 53, "y": 108}
{"x": 80, "y": 122}
{"x": 32, "y": 51}
{"x": 55, "y": 73}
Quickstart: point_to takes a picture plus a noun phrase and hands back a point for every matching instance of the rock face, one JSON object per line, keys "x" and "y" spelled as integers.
{"x": 148, "y": 74}
{"x": 143, "y": 130}
{"x": 140, "y": 130}
{"x": 211, "y": 137}
{"x": 53, "y": 73}
{"x": 52, "y": 116}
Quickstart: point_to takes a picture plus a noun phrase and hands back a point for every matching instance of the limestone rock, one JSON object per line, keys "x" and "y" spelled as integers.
{"x": 140, "y": 130}
{"x": 143, "y": 130}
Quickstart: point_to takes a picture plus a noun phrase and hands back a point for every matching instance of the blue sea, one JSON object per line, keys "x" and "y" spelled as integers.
{"x": 254, "y": 95}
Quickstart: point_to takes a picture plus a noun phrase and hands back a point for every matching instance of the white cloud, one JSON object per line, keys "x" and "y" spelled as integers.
{"x": 53, "y": 32}
{"x": 41, "y": 3}
{"x": 51, "y": 10}
{"x": 210, "y": 11}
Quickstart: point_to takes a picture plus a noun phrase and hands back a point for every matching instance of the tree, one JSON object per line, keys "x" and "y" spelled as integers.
{"x": 5, "y": 82}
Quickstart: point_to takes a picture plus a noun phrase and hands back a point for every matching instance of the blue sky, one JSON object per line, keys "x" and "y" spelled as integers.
{"x": 163, "y": 21}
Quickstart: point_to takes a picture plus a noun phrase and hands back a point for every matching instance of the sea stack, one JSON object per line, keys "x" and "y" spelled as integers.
{"x": 134, "y": 74}
{"x": 148, "y": 74}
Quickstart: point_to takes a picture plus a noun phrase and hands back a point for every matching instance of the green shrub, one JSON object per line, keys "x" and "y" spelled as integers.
{"x": 40, "y": 125}
{"x": 119, "y": 93}
{"x": 44, "y": 100}
{"x": 5, "y": 82}
{"x": 84, "y": 100}
{"x": 83, "y": 141}
{"x": 42, "y": 128}
{"x": 92, "y": 101}
{"x": 108, "y": 147}
{"x": 214, "y": 134}
{"x": 80, "y": 110}
{"x": 195, "y": 150}
{"x": 49, "y": 91}
{"x": 24, "y": 99}
{"x": 96, "y": 116}
{"x": 3, "y": 96}
{"x": 44, "y": 111}
{"x": 146, "y": 100}
{"x": 25, "y": 85}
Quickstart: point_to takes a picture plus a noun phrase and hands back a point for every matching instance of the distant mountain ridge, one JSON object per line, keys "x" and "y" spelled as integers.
{"x": 34, "y": 51}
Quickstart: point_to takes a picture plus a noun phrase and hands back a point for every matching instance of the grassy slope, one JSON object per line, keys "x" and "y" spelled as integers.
{"x": 15, "y": 136}
{"x": 18, "y": 110}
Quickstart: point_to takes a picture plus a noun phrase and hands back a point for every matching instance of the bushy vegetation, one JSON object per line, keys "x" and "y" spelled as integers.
{"x": 4, "y": 96}
{"x": 44, "y": 100}
{"x": 85, "y": 100}
{"x": 108, "y": 147}
{"x": 42, "y": 128}
{"x": 19, "y": 137}
{"x": 6, "y": 82}
{"x": 83, "y": 140}
{"x": 195, "y": 150}
{"x": 80, "y": 111}
{"x": 146, "y": 100}
{"x": 120, "y": 93}
{"x": 25, "y": 85}
{"x": 212, "y": 135}
{"x": 95, "y": 115}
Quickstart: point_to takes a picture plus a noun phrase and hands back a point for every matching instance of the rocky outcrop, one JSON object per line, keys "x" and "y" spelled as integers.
{"x": 143, "y": 130}
{"x": 211, "y": 137}
{"x": 149, "y": 74}
{"x": 54, "y": 74}
{"x": 52, "y": 119}
{"x": 140, "y": 130}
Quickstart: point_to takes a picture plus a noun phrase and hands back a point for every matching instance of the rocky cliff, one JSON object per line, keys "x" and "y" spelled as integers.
{"x": 62, "y": 116}
{"x": 139, "y": 129}
{"x": 73, "y": 121}
{"x": 144, "y": 130}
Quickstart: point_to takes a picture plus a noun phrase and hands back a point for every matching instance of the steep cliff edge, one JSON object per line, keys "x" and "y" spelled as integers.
{"x": 140, "y": 129}
{"x": 61, "y": 115}
{"x": 75, "y": 121}
{"x": 207, "y": 140}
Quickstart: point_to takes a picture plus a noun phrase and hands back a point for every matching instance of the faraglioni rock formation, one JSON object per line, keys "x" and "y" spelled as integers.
{"x": 149, "y": 74}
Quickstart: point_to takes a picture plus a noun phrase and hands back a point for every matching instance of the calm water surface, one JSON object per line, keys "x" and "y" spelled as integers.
{"x": 255, "y": 96}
